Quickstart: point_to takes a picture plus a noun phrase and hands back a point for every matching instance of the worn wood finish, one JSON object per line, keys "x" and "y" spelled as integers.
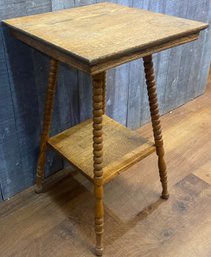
{"x": 58, "y": 222}
{"x": 122, "y": 147}
{"x": 63, "y": 231}
{"x": 19, "y": 136}
{"x": 19, "y": 141}
{"x": 98, "y": 107}
{"x": 155, "y": 117}
{"x": 93, "y": 45}
{"x": 96, "y": 52}
{"x": 58, "y": 5}
{"x": 46, "y": 124}
{"x": 94, "y": 69}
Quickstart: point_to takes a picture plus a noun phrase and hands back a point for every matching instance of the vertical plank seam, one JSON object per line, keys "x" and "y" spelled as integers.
{"x": 129, "y": 82}
{"x": 1, "y": 193}
{"x": 165, "y": 86}
{"x": 128, "y": 93}
{"x": 142, "y": 109}
{"x": 206, "y": 42}
{"x": 51, "y": 6}
{"x": 186, "y": 93}
{"x": 39, "y": 111}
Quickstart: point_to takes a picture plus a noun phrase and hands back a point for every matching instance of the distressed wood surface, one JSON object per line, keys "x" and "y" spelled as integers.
{"x": 19, "y": 111}
{"x": 104, "y": 35}
{"x": 126, "y": 95}
{"x": 121, "y": 151}
{"x": 60, "y": 221}
{"x": 122, "y": 147}
{"x": 58, "y": 5}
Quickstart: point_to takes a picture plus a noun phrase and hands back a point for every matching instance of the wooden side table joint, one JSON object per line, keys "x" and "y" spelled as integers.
{"x": 84, "y": 38}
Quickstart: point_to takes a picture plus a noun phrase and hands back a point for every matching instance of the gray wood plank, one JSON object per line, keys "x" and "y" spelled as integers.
{"x": 110, "y": 80}
{"x": 8, "y": 159}
{"x": 12, "y": 8}
{"x": 172, "y": 85}
{"x": 84, "y": 2}
{"x": 38, "y": 6}
{"x": 12, "y": 177}
{"x": 196, "y": 51}
{"x": 118, "y": 93}
{"x": 161, "y": 69}
{"x": 181, "y": 75}
{"x": 136, "y": 88}
{"x": 204, "y": 63}
{"x": 19, "y": 138}
{"x": 118, "y": 87}
{"x": 25, "y": 110}
{"x": 58, "y": 4}
{"x": 6, "y": 114}
{"x": 205, "y": 59}
{"x": 1, "y": 195}
{"x": 84, "y": 81}
{"x": 174, "y": 60}
{"x": 138, "y": 110}
{"x": 85, "y": 95}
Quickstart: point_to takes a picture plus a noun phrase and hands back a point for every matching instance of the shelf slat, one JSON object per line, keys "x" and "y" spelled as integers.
{"x": 122, "y": 147}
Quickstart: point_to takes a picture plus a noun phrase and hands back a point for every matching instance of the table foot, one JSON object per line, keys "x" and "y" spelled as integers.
{"x": 99, "y": 251}
{"x": 38, "y": 189}
{"x": 165, "y": 196}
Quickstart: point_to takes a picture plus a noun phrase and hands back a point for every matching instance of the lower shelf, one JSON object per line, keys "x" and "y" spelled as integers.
{"x": 122, "y": 147}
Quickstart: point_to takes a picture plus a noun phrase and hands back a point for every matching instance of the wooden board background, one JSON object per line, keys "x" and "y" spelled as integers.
{"x": 181, "y": 75}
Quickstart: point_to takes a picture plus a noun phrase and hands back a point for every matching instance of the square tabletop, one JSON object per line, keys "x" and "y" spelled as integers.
{"x": 96, "y": 37}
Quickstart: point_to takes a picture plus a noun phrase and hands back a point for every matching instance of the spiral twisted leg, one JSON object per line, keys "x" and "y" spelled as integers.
{"x": 98, "y": 110}
{"x": 46, "y": 124}
{"x": 155, "y": 117}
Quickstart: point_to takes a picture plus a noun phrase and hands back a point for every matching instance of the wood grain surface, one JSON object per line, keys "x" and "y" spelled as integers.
{"x": 181, "y": 75}
{"x": 122, "y": 147}
{"x": 59, "y": 222}
{"x": 103, "y": 34}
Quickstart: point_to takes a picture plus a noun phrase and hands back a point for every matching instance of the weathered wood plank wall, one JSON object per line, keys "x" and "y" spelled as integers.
{"x": 181, "y": 76}
{"x": 19, "y": 120}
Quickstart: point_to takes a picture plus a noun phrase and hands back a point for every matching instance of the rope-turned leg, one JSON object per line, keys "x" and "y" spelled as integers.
{"x": 98, "y": 105}
{"x": 155, "y": 117}
{"x": 46, "y": 124}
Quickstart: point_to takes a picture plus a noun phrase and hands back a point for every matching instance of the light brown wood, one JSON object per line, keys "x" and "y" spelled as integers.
{"x": 93, "y": 39}
{"x": 98, "y": 82}
{"x": 122, "y": 147}
{"x": 100, "y": 36}
{"x": 59, "y": 222}
{"x": 155, "y": 117}
{"x": 46, "y": 124}
{"x": 205, "y": 172}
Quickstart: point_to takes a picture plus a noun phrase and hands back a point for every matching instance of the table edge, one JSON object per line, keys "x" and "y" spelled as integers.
{"x": 101, "y": 64}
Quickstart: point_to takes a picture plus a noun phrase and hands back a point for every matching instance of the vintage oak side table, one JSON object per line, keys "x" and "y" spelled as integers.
{"x": 94, "y": 39}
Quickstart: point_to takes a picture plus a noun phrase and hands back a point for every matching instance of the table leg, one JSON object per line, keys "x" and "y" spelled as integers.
{"x": 98, "y": 108}
{"x": 155, "y": 117}
{"x": 46, "y": 124}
